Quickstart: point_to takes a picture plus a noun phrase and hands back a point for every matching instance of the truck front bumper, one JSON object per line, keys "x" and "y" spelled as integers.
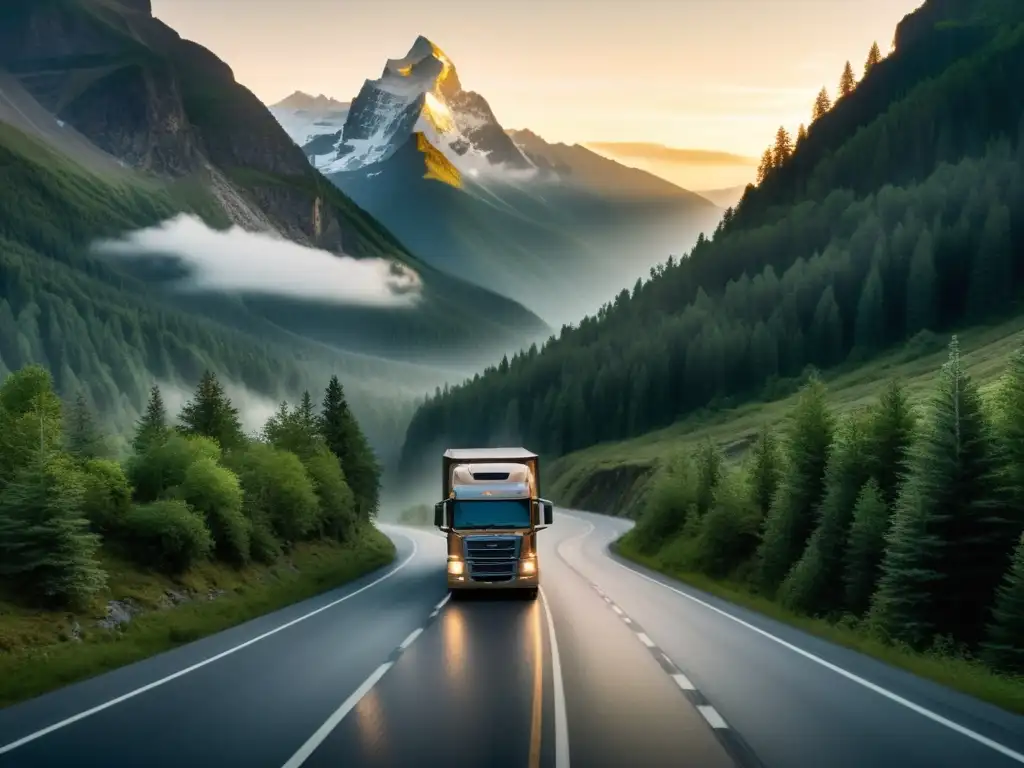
{"x": 521, "y": 581}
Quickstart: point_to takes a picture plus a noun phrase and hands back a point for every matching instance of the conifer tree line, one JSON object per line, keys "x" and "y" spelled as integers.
{"x": 782, "y": 148}
{"x": 188, "y": 492}
{"x": 905, "y": 519}
{"x": 829, "y": 282}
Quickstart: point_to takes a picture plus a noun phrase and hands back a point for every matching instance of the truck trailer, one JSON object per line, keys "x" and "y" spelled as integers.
{"x": 490, "y": 513}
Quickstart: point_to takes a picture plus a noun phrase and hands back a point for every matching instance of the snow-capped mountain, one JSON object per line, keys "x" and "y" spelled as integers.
{"x": 421, "y": 93}
{"x": 555, "y": 227}
{"x": 309, "y": 119}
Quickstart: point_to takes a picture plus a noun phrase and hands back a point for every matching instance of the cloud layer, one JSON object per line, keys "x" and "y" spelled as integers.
{"x": 238, "y": 261}
{"x": 676, "y": 155}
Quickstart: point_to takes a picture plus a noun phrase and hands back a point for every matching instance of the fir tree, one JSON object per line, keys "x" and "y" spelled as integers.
{"x": 874, "y": 56}
{"x": 847, "y": 82}
{"x": 991, "y": 282}
{"x": 782, "y": 148}
{"x": 921, "y": 287}
{"x": 815, "y": 583}
{"x": 211, "y": 414}
{"x": 822, "y": 104}
{"x": 892, "y": 428}
{"x": 152, "y": 427}
{"x": 869, "y": 329}
{"x": 766, "y": 166}
{"x": 83, "y": 438}
{"x": 765, "y": 471}
{"x": 709, "y": 471}
{"x": 865, "y": 548}
{"x": 345, "y": 439}
{"x": 792, "y": 514}
{"x": 45, "y": 543}
{"x": 947, "y": 547}
{"x": 801, "y": 134}
{"x": 1004, "y": 648}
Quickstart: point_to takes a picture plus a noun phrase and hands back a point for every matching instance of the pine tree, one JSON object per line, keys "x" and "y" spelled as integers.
{"x": 709, "y": 472}
{"x": 45, "y": 543}
{"x": 1004, "y": 648}
{"x": 991, "y": 282}
{"x": 211, "y": 414}
{"x": 345, "y": 439}
{"x": 869, "y": 329}
{"x": 801, "y": 134}
{"x": 892, "y": 430}
{"x": 792, "y": 515}
{"x": 814, "y": 585}
{"x": 874, "y": 56}
{"x": 83, "y": 438}
{"x": 782, "y": 148}
{"x": 921, "y": 287}
{"x": 152, "y": 427}
{"x": 865, "y": 548}
{"x": 822, "y": 104}
{"x": 947, "y": 547}
{"x": 765, "y": 470}
{"x": 766, "y": 166}
{"x": 847, "y": 82}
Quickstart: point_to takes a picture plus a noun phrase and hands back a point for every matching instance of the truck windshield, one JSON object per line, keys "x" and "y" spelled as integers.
{"x": 506, "y": 513}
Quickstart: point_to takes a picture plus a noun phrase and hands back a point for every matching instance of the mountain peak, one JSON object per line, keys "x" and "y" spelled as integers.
{"x": 421, "y": 92}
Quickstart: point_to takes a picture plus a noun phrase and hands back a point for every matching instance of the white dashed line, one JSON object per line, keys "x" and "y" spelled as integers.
{"x": 643, "y": 638}
{"x": 441, "y": 604}
{"x": 683, "y": 682}
{"x": 411, "y": 638}
{"x": 199, "y": 665}
{"x": 617, "y": 609}
{"x": 714, "y": 719}
{"x": 349, "y": 704}
{"x": 627, "y": 619}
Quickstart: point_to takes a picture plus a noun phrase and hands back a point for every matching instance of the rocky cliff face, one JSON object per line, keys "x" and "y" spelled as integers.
{"x": 170, "y": 107}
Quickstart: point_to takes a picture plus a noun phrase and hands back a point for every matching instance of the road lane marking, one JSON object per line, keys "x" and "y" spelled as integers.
{"x": 643, "y": 638}
{"x": 441, "y": 604}
{"x": 332, "y": 722}
{"x": 411, "y": 638}
{"x": 894, "y": 697}
{"x": 627, "y": 619}
{"x": 617, "y": 609}
{"x": 683, "y": 681}
{"x": 714, "y": 719}
{"x": 561, "y": 720}
{"x": 4, "y": 749}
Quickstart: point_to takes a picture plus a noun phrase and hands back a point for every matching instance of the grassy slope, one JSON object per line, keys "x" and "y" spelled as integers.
{"x": 38, "y": 650}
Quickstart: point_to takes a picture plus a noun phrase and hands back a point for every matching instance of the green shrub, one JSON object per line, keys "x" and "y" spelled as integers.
{"x": 164, "y": 464}
{"x": 168, "y": 535}
{"x": 278, "y": 491}
{"x": 215, "y": 492}
{"x": 107, "y": 495}
{"x": 337, "y": 503}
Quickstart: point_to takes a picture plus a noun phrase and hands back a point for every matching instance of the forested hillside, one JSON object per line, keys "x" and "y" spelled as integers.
{"x": 898, "y": 211}
{"x": 194, "y": 492}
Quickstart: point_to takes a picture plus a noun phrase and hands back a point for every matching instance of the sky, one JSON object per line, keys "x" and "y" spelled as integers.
{"x": 633, "y": 79}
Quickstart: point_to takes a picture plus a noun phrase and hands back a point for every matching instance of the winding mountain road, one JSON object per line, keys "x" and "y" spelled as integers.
{"x": 612, "y": 666}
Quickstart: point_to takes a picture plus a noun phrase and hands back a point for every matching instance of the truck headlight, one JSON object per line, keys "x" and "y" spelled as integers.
{"x": 456, "y": 567}
{"x": 528, "y": 567}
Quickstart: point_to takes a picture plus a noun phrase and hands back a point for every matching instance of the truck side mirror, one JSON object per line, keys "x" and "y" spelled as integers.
{"x": 549, "y": 512}
{"x": 439, "y": 514}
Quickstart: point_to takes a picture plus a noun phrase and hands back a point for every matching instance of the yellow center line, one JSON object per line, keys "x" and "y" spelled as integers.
{"x": 536, "y": 721}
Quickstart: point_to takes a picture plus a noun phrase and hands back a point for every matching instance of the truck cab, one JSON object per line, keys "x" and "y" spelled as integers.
{"x": 491, "y": 514}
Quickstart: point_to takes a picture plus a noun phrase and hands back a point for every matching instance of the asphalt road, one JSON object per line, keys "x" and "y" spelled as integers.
{"x": 612, "y": 666}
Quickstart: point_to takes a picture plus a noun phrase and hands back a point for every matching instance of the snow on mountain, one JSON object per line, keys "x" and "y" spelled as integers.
{"x": 309, "y": 119}
{"x": 421, "y": 93}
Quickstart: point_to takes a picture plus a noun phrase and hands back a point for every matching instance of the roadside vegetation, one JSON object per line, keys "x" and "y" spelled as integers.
{"x": 894, "y": 528}
{"x": 199, "y": 527}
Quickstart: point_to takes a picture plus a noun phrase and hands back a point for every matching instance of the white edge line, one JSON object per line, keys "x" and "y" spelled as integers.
{"x": 683, "y": 682}
{"x": 217, "y": 657}
{"x": 332, "y": 722}
{"x": 643, "y": 638}
{"x": 411, "y": 638}
{"x": 444, "y": 602}
{"x": 894, "y": 697}
{"x": 714, "y": 719}
{"x": 561, "y": 721}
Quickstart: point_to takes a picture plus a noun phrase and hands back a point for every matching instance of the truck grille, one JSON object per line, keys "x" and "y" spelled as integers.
{"x": 492, "y": 558}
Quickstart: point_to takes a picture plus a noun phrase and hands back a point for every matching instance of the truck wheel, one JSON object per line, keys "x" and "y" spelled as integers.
{"x": 530, "y": 594}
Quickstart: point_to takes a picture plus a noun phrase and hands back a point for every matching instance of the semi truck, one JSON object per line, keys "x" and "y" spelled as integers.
{"x": 491, "y": 511}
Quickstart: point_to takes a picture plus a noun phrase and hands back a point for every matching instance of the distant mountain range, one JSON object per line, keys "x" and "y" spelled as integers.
{"x": 727, "y": 197}
{"x": 558, "y": 228}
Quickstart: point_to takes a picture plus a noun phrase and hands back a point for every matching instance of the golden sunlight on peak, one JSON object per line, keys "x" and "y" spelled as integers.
{"x": 405, "y": 71}
{"x": 437, "y": 113}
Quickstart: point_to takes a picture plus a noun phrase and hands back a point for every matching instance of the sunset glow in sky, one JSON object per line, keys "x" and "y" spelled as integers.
{"x": 717, "y": 75}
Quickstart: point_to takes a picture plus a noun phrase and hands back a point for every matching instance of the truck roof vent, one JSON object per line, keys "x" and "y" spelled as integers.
{"x": 490, "y": 475}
